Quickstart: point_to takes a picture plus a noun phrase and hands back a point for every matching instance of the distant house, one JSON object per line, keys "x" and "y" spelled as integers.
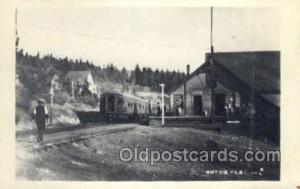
{"x": 82, "y": 80}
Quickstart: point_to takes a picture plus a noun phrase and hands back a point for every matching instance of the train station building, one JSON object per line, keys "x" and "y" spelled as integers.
{"x": 242, "y": 79}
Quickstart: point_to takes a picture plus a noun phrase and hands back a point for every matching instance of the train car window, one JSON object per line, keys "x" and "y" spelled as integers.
{"x": 103, "y": 104}
{"x": 111, "y": 104}
{"x": 120, "y": 101}
{"x": 128, "y": 104}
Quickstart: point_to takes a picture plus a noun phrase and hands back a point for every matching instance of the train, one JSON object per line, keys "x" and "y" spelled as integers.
{"x": 117, "y": 107}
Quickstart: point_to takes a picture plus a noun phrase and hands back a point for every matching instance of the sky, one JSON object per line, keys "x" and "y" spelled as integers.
{"x": 163, "y": 38}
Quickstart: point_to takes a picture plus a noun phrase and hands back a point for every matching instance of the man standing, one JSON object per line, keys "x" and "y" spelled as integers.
{"x": 158, "y": 109}
{"x": 40, "y": 114}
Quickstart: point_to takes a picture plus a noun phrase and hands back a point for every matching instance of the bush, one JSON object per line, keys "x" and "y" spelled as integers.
{"x": 62, "y": 97}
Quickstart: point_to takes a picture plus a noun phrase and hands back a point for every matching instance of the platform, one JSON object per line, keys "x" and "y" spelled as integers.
{"x": 200, "y": 122}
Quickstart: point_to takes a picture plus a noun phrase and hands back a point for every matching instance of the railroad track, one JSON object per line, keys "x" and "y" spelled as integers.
{"x": 64, "y": 138}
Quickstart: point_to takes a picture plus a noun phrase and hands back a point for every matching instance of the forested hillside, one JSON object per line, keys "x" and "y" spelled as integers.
{"x": 37, "y": 71}
{"x": 148, "y": 77}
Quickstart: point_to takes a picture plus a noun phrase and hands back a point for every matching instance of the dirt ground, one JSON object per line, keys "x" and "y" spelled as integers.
{"x": 92, "y": 153}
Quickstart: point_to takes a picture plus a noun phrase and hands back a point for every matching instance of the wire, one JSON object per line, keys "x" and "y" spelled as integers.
{"x": 94, "y": 36}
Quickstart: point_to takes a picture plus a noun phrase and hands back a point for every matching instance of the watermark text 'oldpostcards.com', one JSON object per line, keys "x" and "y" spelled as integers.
{"x": 224, "y": 155}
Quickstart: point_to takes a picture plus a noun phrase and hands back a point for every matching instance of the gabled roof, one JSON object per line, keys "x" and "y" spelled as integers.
{"x": 259, "y": 69}
{"x": 80, "y": 76}
{"x": 200, "y": 69}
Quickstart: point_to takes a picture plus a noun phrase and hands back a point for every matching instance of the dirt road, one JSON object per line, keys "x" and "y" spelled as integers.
{"x": 93, "y": 154}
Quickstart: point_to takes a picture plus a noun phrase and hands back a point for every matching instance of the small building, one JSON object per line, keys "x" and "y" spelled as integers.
{"x": 241, "y": 79}
{"x": 82, "y": 80}
{"x": 197, "y": 100}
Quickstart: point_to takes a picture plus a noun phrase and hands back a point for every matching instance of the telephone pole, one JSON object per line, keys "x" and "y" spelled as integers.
{"x": 212, "y": 68}
{"x": 16, "y": 29}
{"x": 162, "y": 104}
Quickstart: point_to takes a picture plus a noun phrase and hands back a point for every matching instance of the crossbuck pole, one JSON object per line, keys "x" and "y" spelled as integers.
{"x": 162, "y": 104}
{"x": 72, "y": 86}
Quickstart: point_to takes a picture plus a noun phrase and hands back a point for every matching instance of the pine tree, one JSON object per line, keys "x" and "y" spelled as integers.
{"x": 138, "y": 75}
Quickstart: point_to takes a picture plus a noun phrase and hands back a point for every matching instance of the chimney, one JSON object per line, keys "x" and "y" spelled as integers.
{"x": 188, "y": 70}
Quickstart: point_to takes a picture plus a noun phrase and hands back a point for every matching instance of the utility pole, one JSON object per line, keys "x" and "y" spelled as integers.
{"x": 162, "y": 104}
{"x": 184, "y": 88}
{"x": 211, "y": 29}
{"x": 53, "y": 86}
{"x": 16, "y": 28}
{"x": 212, "y": 70}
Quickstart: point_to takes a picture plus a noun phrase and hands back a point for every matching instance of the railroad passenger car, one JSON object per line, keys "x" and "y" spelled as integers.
{"x": 122, "y": 103}
{"x": 120, "y": 107}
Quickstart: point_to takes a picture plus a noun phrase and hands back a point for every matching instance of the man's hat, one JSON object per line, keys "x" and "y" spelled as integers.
{"x": 41, "y": 101}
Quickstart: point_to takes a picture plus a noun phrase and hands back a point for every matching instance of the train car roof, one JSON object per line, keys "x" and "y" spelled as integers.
{"x": 125, "y": 95}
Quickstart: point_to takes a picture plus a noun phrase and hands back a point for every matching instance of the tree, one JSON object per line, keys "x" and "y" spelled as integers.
{"x": 36, "y": 72}
{"x": 150, "y": 77}
{"x": 124, "y": 75}
{"x": 138, "y": 75}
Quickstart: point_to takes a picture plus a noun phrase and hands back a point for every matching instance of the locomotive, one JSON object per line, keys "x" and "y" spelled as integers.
{"x": 120, "y": 107}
